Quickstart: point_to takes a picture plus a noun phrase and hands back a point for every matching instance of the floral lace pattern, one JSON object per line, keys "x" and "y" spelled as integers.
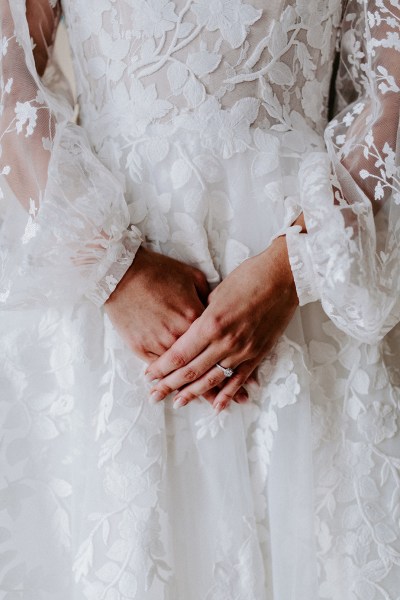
{"x": 362, "y": 166}
{"x": 189, "y": 52}
{"x": 42, "y": 260}
{"x": 202, "y": 131}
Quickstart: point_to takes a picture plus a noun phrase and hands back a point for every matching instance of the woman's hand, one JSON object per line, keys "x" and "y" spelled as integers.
{"x": 155, "y": 303}
{"x": 246, "y": 314}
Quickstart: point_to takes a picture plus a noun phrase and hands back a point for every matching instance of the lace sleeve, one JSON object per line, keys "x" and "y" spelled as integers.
{"x": 64, "y": 221}
{"x": 350, "y": 256}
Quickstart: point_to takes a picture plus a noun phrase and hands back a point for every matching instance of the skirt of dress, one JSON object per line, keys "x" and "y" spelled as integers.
{"x": 105, "y": 496}
{"x": 293, "y": 496}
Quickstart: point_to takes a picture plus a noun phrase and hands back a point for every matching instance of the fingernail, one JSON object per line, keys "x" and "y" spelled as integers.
{"x": 241, "y": 397}
{"x": 179, "y": 402}
{"x": 156, "y": 397}
{"x": 219, "y": 407}
{"x": 150, "y": 378}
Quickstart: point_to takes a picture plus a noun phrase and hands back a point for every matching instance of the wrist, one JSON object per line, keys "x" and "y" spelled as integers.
{"x": 275, "y": 262}
{"x": 137, "y": 265}
{"x": 300, "y": 221}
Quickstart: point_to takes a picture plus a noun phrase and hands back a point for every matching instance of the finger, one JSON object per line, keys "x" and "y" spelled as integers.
{"x": 185, "y": 349}
{"x": 144, "y": 354}
{"x": 201, "y": 365}
{"x": 211, "y": 395}
{"x": 241, "y": 397}
{"x": 197, "y": 308}
{"x": 214, "y": 378}
{"x": 253, "y": 378}
{"x": 155, "y": 346}
{"x": 233, "y": 384}
{"x": 243, "y": 372}
{"x": 180, "y": 326}
{"x": 202, "y": 385}
{"x": 165, "y": 338}
{"x": 151, "y": 357}
{"x": 183, "y": 397}
{"x": 202, "y": 286}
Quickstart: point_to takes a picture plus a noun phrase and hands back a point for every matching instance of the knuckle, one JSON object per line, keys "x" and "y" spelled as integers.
{"x": 250, "y": 349}
{"x": 160, "y": 348}
{"x": 187, "y": 398}
{"x": 136, "y": 346}
{"x": 214, "y": 325}
{"x": 178, "y": 360}
{"x": 154, "y": 374}
{"x": 237, "y": 378}
{"x": 191, "y": 314}
{"x": 226, "y": 397}
{"x": 190, "y": 375}
{"x": 164, "y": 389}
{"x": 175, "y": 334}
{"x": 250, "y": 354}
{"x": 199, "y": 275}
{"x": 213, "y": 380}
{"x": 233, "y": 339}
{"x": 154, "y": 371}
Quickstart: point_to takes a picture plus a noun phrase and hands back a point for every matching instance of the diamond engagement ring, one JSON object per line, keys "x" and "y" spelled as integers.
{"x": 227, "y": 371}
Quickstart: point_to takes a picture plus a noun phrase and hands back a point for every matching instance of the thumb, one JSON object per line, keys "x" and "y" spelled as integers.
{"x": 202, "y": 286}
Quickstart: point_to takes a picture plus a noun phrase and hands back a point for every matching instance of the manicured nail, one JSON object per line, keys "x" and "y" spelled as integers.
{"x": 150, "y": 378}
{"x": 219, "y": 407}
{"x": 179, "y": 402}
{"x": 156, "y": 397}
{"x": 241, "y": 397}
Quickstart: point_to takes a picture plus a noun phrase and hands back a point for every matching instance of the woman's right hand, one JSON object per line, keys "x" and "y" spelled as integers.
{"x": 156, "y": 302}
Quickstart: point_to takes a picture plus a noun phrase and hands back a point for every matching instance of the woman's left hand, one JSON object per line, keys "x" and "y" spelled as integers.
{"x": 246, "y": 314}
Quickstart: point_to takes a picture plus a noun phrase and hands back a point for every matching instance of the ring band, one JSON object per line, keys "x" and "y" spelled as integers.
{"x": 227, "y": 371}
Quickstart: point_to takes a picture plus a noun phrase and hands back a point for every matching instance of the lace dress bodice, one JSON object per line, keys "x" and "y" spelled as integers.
{"x": 191, "y": 90}
{"x": 173, "y": 97}
{"x": 172, "y": 57}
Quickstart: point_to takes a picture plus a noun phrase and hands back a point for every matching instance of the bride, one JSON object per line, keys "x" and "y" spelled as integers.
{"x": 218, "y": 233}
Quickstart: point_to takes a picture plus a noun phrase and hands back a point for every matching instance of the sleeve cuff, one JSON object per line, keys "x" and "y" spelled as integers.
{"x": 117, "y": 260}
{"x": 301, "y": 265}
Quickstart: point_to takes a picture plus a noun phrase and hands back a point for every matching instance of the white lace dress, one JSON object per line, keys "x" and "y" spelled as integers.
{"x": 203, "y": 131}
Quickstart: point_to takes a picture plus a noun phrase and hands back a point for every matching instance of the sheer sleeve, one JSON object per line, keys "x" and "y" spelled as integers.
{"x": 65, "y": 230}
{"x": 349, "y": 259}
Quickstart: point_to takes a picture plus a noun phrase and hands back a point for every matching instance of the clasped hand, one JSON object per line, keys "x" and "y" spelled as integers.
{"x": 188, "y": 330}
